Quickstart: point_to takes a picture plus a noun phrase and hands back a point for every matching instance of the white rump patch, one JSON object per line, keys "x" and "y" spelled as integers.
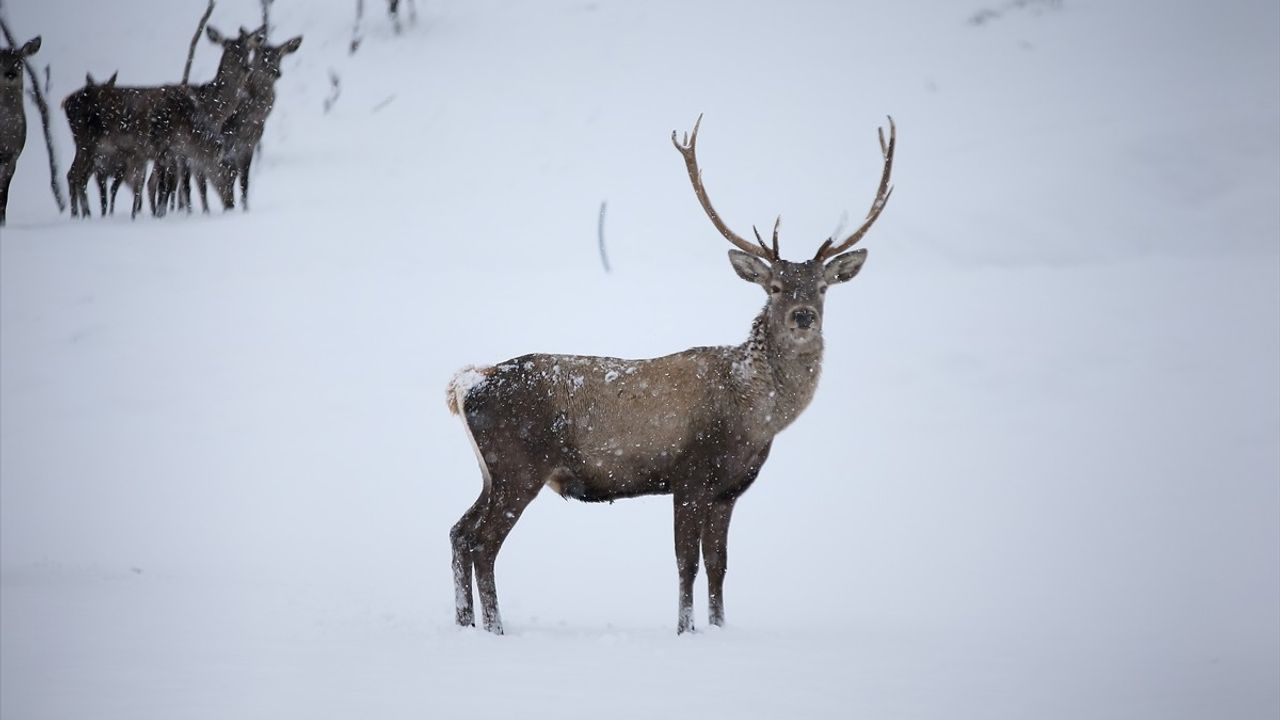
{"x": 464, "y": 382}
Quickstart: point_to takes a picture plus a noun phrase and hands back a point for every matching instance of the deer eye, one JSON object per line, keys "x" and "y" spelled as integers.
{"x": 775, "y": 289}
{"x": 822, "y": 289}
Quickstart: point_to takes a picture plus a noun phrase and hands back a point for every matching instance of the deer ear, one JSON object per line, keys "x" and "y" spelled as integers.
{"x": 751, "y": 268}
{"x": 292, "y": 45}
{"x": 842, "y": 268}
{"x": 32, "y": 46}
{"x": 214, "y": 35}
{"x": 111, "y": 81}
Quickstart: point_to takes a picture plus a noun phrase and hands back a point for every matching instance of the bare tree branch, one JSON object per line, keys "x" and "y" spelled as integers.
{"x": 266, "y": 17}
{"x": 195, "y": 39}
{"x": 355, "y": 29}
{"x": 604, "y": 259}
{"x": 38, "y": 96}
{"x": 335, "y": 89}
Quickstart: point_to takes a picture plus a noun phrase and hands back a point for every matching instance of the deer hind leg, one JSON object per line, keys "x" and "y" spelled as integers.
{"x": 102, "y": 191}
{"x": 507, "y": 504}
{"x": 462, "y": 538}
{"x": 183, "y": 178}
{"x": 153, "y": 191}
{"x": 689, "y": 520}
{"x": 202, "y": 186}
{"x": 77, "y": 179}
{"x": 715, "y": 551}
{"x": 243, "y": 172}
{"x": 138, "y": 181}
{"x": 115, "y": 188}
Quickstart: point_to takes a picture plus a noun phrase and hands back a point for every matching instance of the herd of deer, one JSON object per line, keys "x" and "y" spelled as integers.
{"x": 206, "y": 133}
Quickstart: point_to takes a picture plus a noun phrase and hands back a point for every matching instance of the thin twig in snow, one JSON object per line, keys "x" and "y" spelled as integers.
{"x": 191, "y": 51}
{"x": 604, "y": 259}
{"x": 335, "y": 89}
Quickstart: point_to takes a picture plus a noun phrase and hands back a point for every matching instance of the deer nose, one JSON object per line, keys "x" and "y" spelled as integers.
{"x": 804, "y": 318}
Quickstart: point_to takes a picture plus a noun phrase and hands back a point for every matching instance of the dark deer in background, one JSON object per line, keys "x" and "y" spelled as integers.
{"x": 168, "y": 125}
{"x": 243, "y": 130}
{"x": 697, "y": 425}
{"x": 82, "y": 108}
{"x": 195, "y": 141}
{"x": 13, "y": 116}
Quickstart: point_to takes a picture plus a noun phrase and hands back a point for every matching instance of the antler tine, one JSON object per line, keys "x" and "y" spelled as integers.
{"x": 760, "y": 240}
{"x": 689, "y": 151}
{"x": 829, "y": 248}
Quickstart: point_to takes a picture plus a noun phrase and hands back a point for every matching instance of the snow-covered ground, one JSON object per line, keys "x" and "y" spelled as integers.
{"x": 1041, "y": 478}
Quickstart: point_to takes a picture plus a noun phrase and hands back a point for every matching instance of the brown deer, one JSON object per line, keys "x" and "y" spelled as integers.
{"x": 243, "y": 130}
{"x": 696, "y": 425}
{"x": 13, "y": 115}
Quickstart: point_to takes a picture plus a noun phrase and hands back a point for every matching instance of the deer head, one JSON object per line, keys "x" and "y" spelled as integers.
{"x": 236, "y": 53}
{"x": 268, "y": 57}
{"x": 796, "y": 290}
{"x": 11, "y": 60}
{"x": 89, "y": 82}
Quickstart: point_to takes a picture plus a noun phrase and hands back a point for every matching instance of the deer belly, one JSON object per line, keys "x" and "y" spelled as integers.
{"x": 587, "y": 485}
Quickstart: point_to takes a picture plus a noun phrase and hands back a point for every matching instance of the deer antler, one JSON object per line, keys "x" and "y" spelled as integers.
{"x": 829, "y": 249}
{"x": 689, "y": 150}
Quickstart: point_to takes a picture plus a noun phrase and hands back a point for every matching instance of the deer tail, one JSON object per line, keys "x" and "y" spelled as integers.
{"x": 462, "y": 383}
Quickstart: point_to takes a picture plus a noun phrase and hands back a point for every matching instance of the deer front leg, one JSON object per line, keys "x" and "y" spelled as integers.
{"x": 7, "y": 168}
{"x": 688, "y": 522}
{"x": 715, "y": 551}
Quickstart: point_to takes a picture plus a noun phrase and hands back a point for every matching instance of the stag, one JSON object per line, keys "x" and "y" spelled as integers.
{"x": 696, "y": 425}
{"x": 13, "y": 116}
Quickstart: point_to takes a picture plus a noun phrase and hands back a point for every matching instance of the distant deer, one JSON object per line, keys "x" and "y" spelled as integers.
{"x": 13, "y": 115}
{"x": 243, "y": 130}
{"x": 165, "y": 125}
{"x": 697, "y": 425}
{"x": 82, "y": 108}
{"x": 196, "y": 144}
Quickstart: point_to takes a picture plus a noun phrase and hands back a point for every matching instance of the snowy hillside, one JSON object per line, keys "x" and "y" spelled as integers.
{"x": 1040, "y": 479}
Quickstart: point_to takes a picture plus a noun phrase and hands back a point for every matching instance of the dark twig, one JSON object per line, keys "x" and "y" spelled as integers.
{"x": 335, "y": 89}
{"x": 604, "y": 259}
{"x": 191, "y": 51}
{"x": 266, "y": 16}
{"x": 355, "y": 28}
{"x": 43, "y": 107}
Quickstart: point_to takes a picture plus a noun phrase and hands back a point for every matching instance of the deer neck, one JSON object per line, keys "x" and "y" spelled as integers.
{"x": 777, "y": 378}
{"x": 221, "y": 96}
{"x": 11, "y": 95}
